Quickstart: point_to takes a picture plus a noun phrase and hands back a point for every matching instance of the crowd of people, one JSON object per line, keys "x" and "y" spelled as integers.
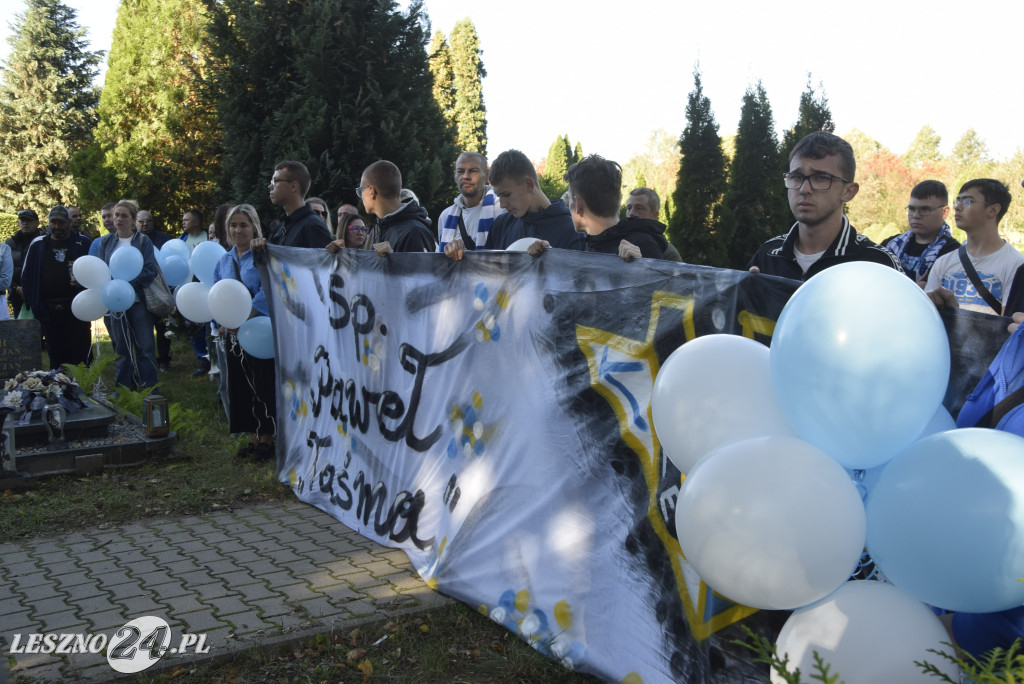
{"x": 498, "y": 204}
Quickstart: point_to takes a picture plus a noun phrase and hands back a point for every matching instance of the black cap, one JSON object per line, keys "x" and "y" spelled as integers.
{"x": 28, "y": 215}
{"x": 59, "y": 212}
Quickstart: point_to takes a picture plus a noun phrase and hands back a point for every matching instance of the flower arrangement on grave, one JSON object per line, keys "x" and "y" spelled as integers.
{"x": 29, "y": 391}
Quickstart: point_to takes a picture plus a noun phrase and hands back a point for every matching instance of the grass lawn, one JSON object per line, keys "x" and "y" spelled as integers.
{"x": 452, "y": 644}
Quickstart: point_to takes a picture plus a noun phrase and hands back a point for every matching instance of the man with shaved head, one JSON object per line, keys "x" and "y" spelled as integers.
{"x": 475, "y": 207}
{"x": 402, "y": 227}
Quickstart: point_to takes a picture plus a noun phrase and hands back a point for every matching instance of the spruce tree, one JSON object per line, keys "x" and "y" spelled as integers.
{"x": 336, "y": 85}
{"x": 47, "y": 106}
{"x": 752, "y": 202}
{"x": 694, "y": 226}
{"x": 559, "y": 159}
{"x": 158, "y": 140}
{"x": 814, "y": 115}
{"x": 468, "y": 73}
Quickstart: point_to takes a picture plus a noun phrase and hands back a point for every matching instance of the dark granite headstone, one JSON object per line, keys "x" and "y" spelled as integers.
{"x": 20, "y": 349}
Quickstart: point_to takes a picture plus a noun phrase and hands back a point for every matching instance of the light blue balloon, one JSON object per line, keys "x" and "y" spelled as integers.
{"x": 257, "y": 337}
{"x": 204, "y": 260}
{"x": 859, "y": 361}
{"x": 175, "y": 248}
{"x": 126, "y": 264}
{"x": 118, "y": 295}
{"x": 946, "y": 520}
{"x": 176, "y": 271}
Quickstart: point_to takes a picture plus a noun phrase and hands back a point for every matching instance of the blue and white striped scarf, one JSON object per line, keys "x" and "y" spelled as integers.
{"x": 450, "y": 229}
{"x": 919, "y": 265}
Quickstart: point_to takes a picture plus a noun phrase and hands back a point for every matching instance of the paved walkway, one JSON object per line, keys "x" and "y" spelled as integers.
{"x": 265, "y": 574}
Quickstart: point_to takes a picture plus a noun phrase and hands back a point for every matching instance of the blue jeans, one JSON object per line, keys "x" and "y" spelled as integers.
{"x": 132, "y": 335}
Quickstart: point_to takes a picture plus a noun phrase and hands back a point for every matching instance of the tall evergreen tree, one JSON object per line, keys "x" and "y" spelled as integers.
{"x": 577, "y": 153}
{"x": 752, "y": 202}
{"x": 468, "y": 71}
{"x": 559, "y": 159}
{"x": 814, "y": 115}
{"x": 335, "y": 84}
{"x": 47, "y": 106}
{"x": 439, "y": 58}
{"x": 694, "y": 226}
{"x": 158, "y": 140}
{"x": 924, "y": 147}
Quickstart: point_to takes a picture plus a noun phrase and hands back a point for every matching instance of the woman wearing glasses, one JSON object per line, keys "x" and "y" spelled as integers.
{"x": 351, "y": 233}
{"x": 320, "y": 208}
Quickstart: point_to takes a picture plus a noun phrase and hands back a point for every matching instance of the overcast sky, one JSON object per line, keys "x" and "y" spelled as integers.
{"x": 608, "y": 75}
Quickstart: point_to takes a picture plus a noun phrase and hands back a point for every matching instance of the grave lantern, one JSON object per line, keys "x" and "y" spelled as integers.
{"x": 155, "y": 416}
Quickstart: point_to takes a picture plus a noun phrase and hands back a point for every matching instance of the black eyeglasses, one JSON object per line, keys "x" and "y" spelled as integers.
{"x": 321, "y": 214}
{"x": 818, "y": 181}
{"x": 359, "y": 189}
{"x": 275, "y": 181}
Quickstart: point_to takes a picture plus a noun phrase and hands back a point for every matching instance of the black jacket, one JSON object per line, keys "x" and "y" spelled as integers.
{"x": 646, "y": 234}
{"x": 553, "y": 223}
{"x": 408, "y": 229}
{"x": 302, "y": 228}
{"x": 777, "y": 256}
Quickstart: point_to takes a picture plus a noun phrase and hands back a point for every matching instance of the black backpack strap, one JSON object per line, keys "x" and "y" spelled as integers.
{"x": 976, "y": 281}
{"x": 470, "y": 245}
{"x": 999, "y": 411}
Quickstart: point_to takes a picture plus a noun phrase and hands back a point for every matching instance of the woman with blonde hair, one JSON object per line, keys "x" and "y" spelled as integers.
{"x": 251, "y": 392}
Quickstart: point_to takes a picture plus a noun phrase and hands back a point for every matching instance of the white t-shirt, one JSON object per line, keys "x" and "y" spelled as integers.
{"x": 996, "y": 271}
{"x": 805, "y": 261}
{"x": 123, "y": 242}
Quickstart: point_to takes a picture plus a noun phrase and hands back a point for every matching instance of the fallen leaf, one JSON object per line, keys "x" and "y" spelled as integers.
{"x": 355, "y": 654}
{"x": 424, "y": 628}
{"x": 366, "y": 668}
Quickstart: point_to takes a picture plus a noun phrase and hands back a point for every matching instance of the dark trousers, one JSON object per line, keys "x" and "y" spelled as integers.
{"x": 67, "y": 338}
{"x": 163, "y": 345}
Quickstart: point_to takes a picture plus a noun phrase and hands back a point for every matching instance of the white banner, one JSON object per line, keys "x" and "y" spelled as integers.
{"x": 491, "y": 417}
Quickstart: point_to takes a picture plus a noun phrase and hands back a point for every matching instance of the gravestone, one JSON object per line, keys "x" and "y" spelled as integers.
{"x": 20, "y": 349}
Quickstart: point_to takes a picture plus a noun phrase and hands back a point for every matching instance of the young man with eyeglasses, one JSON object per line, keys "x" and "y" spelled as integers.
{"x": 929, "y": 236}
{"x": 819, "y": 182}
{"x": 300, "y": 226}
{"x": 978, "y": 208}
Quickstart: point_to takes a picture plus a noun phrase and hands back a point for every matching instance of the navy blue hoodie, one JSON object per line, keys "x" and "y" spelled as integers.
{"x": 553, "y": 223}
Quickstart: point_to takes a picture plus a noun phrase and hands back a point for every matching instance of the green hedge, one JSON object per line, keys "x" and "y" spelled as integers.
{"x": 8, "y": 226}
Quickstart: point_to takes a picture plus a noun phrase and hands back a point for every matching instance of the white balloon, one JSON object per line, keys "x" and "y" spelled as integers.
{"x": 867, "y": 632}
{"x": 771, "y": 522}
{"x": 91, "y": 272}
{"x": 191, "y": 300}
{"x": 711, "y": 391}
{"x": 88, "y": 305}
{"x": 230, "y": 303}
{"x": 520, "y": 245}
